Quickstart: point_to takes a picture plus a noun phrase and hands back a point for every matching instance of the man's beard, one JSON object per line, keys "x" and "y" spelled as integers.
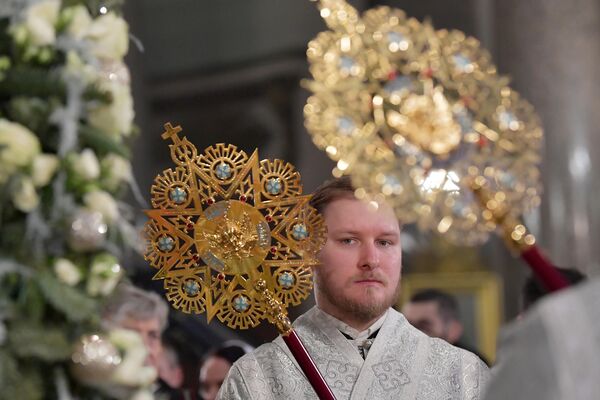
{"x": 363, "y": 310}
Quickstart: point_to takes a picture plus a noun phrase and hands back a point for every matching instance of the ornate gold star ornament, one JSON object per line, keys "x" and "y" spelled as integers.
{"x": 421, "y": 117}
{"x": 230, "y": 235}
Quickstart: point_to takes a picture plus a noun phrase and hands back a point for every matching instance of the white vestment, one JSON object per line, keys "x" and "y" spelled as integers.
{"x": 402, "y": 363}
{"x": 554, "y": 352}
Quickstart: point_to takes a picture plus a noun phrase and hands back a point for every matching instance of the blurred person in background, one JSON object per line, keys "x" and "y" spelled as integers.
{"x": 146, "y": 313}
{"x": 216, "y": 365}
{"x": 551, "y": 353}
{"x": 435, "y": 313}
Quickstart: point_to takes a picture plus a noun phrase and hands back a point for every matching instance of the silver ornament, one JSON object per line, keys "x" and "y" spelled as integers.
{"x": 87, "y": 231}
{"x": 94, "y": 360}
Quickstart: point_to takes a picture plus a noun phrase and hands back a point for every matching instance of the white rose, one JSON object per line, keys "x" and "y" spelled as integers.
{"x": 109, "y": 36}
{"x": 102, "y": 202}
{"x": 115, "y": 118}
{"x": 43, "y": 168}
{"x": 105, "y": 274}
{"x": 132, "y": 370}
{"x": 116, "y": 170}
{"x": 25, "y": 197}
{"x": 67, "y": 272}
{"x": 40, "y": 22}
{"x": 18, "y": 147}
{"x": 86, "y": 165}
{"x": 79, "y": 21}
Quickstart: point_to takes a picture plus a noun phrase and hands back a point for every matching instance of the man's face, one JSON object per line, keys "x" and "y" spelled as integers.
{"x": 359, "y": 275}
{"x": 212, "y": 374}
{"x": 425, "y": 316}
{"x": 149, "y": 330}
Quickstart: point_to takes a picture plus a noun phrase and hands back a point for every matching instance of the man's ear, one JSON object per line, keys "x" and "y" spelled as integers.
{"x": 455, "y": 331}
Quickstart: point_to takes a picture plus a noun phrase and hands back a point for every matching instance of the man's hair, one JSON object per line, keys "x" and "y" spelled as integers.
{"x": 231, "y": 351}
{"x": 130, "y": 302}
{"x": 533, "y": 289}
{"x": 447, "y": 305}
{"x": 330, "y": 191}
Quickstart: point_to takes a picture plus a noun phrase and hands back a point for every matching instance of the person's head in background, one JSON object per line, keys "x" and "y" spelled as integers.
{"x": 533, "y": 289}
{"x": 216, "y": 365}
{"x": 145, "y": 312}
{"x": 435, "y": 313}
{"x": 170, "y": 369}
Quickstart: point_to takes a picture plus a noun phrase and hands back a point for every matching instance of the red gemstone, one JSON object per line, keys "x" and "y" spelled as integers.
{"x": 210, "y": 201}
{"x": 242, "y": 198}
{"x": 220, "y": 277}
{"x": 392, "y": 75}
{"x": 195, "y": 257}
{"x": 273, "y": 249}
{"x": 269, "y": 218}
{"x": 189, "y": 226}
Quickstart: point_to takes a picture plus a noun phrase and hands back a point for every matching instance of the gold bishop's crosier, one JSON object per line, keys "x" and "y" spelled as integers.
{"x": 230, "y": 235}
{"x": 421, "y": 117}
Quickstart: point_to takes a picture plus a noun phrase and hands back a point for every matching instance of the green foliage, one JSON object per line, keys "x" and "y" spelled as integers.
{"x": 103, "y": 143}
{"x": 18, "y": 380}
{"x": 74, "y": 304}
{"x": 43, "y": 342}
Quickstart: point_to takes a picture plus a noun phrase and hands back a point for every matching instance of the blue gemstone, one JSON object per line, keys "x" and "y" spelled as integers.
{"x": 240, "y": 303}
{"x": 178, "y": 195}
{"x": 399, "y": 85}
{"x": 166, "y": 243}
{"x": 345, "y": 125}
{"x": 462, "y": 62}
{"x": 274, "y": 186}
{"x": 397, "y": 41}
{"x": 347, "y": 64}
{"x": 223, "y": 171}
{"x": 286, "y": 280}
{"x": 299, "y": 232}
{"x": 191, "y": 287}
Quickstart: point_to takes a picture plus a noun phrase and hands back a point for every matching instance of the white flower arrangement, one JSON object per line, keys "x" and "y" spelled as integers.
{"x": 67, "y": 272}
{"x": 18, "y": 147}
{"x": 104, "y": 275}
{"x": 40, "y": 22}
{"x": 66, "y": 112}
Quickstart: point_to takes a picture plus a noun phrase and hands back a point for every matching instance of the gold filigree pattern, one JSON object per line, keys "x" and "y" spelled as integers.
{"x": 222, "y": 221}
{"x": 294, "y": 284}
{"x": 185, "y": 291}
{"x": 172, "y": 189}
{"x": 416, "y": 115}
{"x": 241, "y": 310}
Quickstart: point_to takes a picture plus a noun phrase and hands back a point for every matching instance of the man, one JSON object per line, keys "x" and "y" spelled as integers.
{"x": 552, "y": 352}
{"x": 363, "y": 348}
{"x": 436, "y": 314}
{"x": 146, "y": 313}
{"x": 216, "y": 365}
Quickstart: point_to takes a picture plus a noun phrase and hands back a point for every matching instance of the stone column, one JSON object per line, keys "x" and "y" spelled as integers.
{"x": 551, "y": 48}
